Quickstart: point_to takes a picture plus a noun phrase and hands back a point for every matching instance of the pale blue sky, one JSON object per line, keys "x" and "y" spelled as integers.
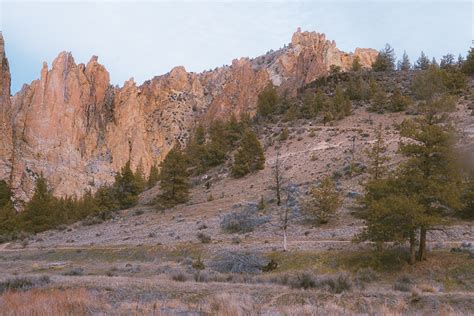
{"x": 148, "y": 38}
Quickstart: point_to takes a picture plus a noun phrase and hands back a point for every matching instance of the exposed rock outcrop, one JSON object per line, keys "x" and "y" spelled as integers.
{"x": 6, "y": 127}
{"x": 77, "y": 130}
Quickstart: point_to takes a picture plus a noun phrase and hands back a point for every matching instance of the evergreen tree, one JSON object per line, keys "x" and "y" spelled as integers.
{"x": 5, "y": 193}
{"x": 105, "y": 199}
{"x": 423, "y": 62}
{"x": 325, "y": 200}
{"x": 267, "y": 101}
{"x": 197, "y": 151}
{"x": 399, "y": 102}
{"x": 126, "y": 187}
{"x": 385, "y": 60}
{"x": 174, "y": 183}
{"x": 249, "y": 157}
{"x": 342, "y": 104}
{"x": 8, "y": 215}
{"x": 8, "y": 220}
{"x": 140, "y": 177}
{"x": 404, "y": 64}
{"x": 447, "y": 61}
{"x": 40, "y": 212}
{"x": 153, "y": 176}
{"x": 468, "y": 64}
{"x": 467, "y": 197}
{"x": 235, "y": 129}
{"x": 379, "y": 101}
{"x": 392, "y": 214}
{"x": 431, "y": 172}
{"x": 377, "y": 155}
{"x": 219, "y": 144}
{"x": 428, "y": 84}
{"x": 356, "y": 65}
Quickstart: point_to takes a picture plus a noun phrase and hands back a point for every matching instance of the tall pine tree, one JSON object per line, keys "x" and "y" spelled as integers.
{"x": 174, "y": 181}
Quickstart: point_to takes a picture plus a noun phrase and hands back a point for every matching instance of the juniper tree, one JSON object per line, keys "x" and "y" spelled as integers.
{"x": 377, "y": 155}
{"x": 140, "y": 177}
{"x": 447, "y": 61}
{"x": 126, "y": 187}
{"x": 324, "y": 201}
{"x": 40, "y": 212}
{"x": 218, "y": 145}
{"x": 423, "y": 62}
{"x": 8, "y": 215}
{"x": 249, "y": 156}
{"x": 404, "y": 63}
{"x": 267, "y": 101}
{"x": 399, "y": 102}
{"x": 391, "y": 213}
{"x": 468, "y": 64}
{"x": 385, "y": 60}
{"x": 153, "y": 176}
{"x": 174, "y": 183}
{"x": 356, "y": 65}
{"x": 341, "y": 104}
{"x": 431, "y": 169}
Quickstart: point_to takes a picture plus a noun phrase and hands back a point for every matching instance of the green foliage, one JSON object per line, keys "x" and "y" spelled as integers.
{"x": 174, "y": 182}
{"x": 399, "y": 102}
{"x": 341, "y": 104}
{"x": 435, "y": 81}
{"x": 5, "y": 193}
{"x": 377, "y": 155}
{"x": 267, "y": 101}
{"x": 468, "y": 64}
{"x": 467, "y": 197}
{"x": 404, "y": 64}
{"x": 423, "y": 62}
{"x": 153, "y": 176}
{"x": 334, "y": 70}
{"x": 447, "y": 61}
{"x": 126, "y": 187}
{"x": 423, "y": 188}
{"x": 40, "y": 213}
{"x": 385, "y": 60}
{"x": 249, "y": 156}
{"x": 284, "y": 134}
{"x": 324, "y": 201}
{"x": 356, "y": 66}
{"x": 358, "y": 89}
{"x": 379, "y": 101}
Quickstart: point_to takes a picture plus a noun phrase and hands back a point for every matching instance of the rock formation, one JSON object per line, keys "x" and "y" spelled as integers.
{"x": 77, "y": 130}
{"x": 6, "y": 127}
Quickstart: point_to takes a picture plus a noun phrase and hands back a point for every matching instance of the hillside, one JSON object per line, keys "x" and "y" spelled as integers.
{"x": 143, "y": 261}
{"x": 77, "y": 130}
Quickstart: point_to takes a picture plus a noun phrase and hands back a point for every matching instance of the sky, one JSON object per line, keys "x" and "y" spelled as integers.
{"x": 142, "y": 39}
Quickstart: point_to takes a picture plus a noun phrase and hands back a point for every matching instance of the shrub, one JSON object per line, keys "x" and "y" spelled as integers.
{"x": 74, "y": 272}
{"x": 335, "y": 284}
{"x": 403, "y": 284}
{"x": 179, "y": 277}
{"x": 244, "y": 221}
{"x": 23, "y": 283}
{"x": 238, "y": 262}
{"x": 205, "y": 239}
{"x": 304, "y": 281}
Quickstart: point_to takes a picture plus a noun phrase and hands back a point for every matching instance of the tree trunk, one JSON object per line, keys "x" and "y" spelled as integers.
{"x": 412, "y": 247}
{"x": 284, "y": 240}
{"x": 422, "y": 250}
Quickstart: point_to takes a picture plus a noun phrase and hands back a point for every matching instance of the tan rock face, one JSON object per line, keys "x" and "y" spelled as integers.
{"x": 6, "y": 131}
{"x": 77, "y": 130}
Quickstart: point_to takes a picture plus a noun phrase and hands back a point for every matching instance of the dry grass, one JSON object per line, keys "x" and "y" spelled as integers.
{"x": 48, "y": 302}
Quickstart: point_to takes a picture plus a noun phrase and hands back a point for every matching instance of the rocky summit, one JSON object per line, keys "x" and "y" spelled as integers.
{"x": 77, "y": 130}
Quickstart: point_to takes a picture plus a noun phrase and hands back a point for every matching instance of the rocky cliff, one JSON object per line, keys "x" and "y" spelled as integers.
{"x": 77, "y": 130}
